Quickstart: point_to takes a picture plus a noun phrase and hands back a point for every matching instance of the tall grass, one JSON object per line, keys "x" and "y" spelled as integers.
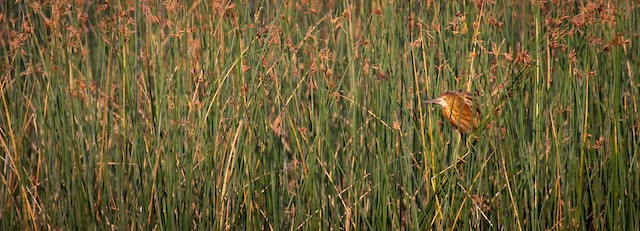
{"x": 309, "y": 115}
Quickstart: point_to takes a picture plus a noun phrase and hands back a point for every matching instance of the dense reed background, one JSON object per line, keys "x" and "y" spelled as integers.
{"x": 286, "y": 115}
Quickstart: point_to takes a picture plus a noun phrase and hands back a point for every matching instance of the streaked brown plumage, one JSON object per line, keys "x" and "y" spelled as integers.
{"x": 459, "y": 109}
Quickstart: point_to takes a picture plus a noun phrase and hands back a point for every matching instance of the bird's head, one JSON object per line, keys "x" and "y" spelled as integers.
{"x": 445, "y": 99}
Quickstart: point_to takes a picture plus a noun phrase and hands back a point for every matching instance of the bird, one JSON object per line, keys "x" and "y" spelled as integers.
{"x": 460, "y": 109}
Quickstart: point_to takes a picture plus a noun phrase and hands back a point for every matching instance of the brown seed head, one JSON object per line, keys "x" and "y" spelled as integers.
{"x": 459, "y": 109}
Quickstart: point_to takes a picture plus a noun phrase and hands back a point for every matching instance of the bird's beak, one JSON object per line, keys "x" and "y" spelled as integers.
{"x": 438, "y": 100}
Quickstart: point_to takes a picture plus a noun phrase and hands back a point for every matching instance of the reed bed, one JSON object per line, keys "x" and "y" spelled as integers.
{"x": 287, "y": 115}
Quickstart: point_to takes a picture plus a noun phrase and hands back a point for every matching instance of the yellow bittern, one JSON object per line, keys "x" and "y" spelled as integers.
{"x": 459, "y": 108}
